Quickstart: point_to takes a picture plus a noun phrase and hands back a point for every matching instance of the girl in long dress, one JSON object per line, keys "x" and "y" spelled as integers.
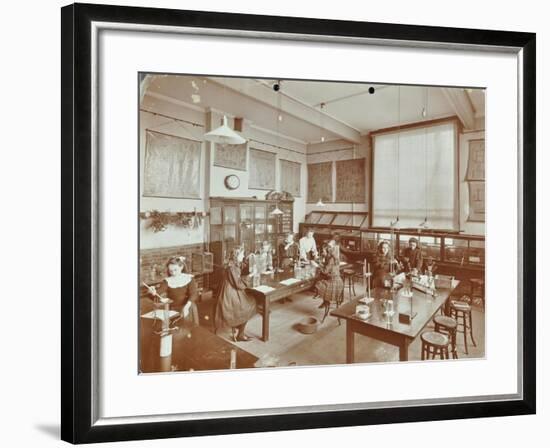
{"x": 382, "y": 265}
{"x": 331, "y": 287}
{"x": 412, "y": 257}
{"x": 234, "y": 306}
{"x": 181, "y": 288}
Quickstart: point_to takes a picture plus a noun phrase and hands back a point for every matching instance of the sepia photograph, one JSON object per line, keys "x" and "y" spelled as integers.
{"x": 291, "y": 223}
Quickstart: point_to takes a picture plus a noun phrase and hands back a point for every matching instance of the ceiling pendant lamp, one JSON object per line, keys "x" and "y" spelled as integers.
{"x": 320, "y": 203}
{"x": 277, "y": 87}
{"x": 424, "y": 225}
{"x": 224, "y": 135}
{"x": 276, "y": 211}
{"x": 321, "y": 121}
{"x": 396, "y": 224}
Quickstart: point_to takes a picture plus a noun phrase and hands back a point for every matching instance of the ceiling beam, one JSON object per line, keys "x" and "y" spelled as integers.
{"x": 459, "y": 101}
{"x": 352, "y": 95}
{"x": 144, "y": 82}
{"x": 265, "y": 95}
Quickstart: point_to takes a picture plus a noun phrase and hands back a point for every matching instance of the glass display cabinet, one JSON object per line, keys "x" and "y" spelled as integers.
{"x": 370, "y": 240}
{"x": 464, "y": 251}
{"x": 431, "y": 247}
{"x": 456, "y": 254}
{"x": 429, "y": 244}
{"x": 455, "y": 250}
{"x": 476, "y": 252}
{"x": 247, "y": 222}
{"x": 346, "y": 225}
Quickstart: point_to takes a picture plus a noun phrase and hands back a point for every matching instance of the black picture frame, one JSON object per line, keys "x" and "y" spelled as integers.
{"x": 77, "y": 425}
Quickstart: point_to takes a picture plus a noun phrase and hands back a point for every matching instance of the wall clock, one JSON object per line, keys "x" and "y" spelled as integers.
{"x": 232, "y": 182}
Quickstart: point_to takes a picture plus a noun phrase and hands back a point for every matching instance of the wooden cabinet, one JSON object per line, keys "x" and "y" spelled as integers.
{"x": 247, "y": 222}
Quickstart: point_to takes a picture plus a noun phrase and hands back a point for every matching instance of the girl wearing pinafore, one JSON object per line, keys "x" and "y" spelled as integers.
{"x": 383, "y": 264}
{"x": 234, "y": 306}
{"x": 181, "y": 288}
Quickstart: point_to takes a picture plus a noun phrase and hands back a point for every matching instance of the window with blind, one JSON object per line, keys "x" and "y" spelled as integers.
{"x": 415, "y": 176}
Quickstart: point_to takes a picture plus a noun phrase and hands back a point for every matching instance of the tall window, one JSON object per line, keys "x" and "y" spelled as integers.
{"x": 415, "y": 176}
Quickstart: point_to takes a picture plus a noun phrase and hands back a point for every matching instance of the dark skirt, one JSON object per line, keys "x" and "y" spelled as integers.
{"x": 378, "y": 278}
{"x": 287, "y": 262}
{"x": 234, "y": 306}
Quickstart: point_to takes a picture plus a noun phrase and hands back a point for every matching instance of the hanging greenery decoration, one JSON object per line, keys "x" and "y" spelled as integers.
{"x": 159, "y": 221}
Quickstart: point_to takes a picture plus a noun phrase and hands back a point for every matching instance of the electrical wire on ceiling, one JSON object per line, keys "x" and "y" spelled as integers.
{"x": 174, "y": 119}
{"x": 184, "y": 124}
{"x": 397, "y": 177}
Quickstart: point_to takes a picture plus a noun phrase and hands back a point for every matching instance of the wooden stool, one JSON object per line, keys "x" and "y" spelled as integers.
{"x": 478, "y": 283}
{"x": 348, "y": 276}
{"x": 434, "y": 344}
{"x": 447, "y": 326}
{"x": 462, "y": 313}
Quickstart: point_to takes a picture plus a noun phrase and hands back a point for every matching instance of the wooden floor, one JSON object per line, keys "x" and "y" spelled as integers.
{"x": 287, "y": 346}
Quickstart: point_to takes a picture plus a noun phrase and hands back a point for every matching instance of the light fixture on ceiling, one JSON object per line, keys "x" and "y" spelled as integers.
{"x": 424, "y": 111}
{"x": 321, "y": 107}
{"x": 424, "y": 224}
{"x": 395, "y": 224}
{"x": 277, "y": 89}
{"x": 224, "y": 135}
{"x": 276, "y": 211}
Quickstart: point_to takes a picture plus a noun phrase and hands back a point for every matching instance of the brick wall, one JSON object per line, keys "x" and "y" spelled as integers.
{"x": 155, "y": 260}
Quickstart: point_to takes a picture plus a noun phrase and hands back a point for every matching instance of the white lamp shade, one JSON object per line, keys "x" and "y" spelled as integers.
{"x": 320, "y": 203}
{"x": 276, "y": 211}
{"x": 224, "y": 134}
{"x": 424, "y": 224}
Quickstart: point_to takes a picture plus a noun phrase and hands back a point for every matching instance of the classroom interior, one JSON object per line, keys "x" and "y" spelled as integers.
{"x": 232, "y": 163}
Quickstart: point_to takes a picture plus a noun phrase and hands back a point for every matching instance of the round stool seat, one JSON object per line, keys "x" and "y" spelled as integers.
{"x": 348, "y": 272}
{"x": 460, "y": 306}
{"x": 445, "y": 321}
{"x": 435, "y": 339}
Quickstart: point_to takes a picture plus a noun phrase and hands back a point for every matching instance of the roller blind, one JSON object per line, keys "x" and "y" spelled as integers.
{"x": 415, "y": 175}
